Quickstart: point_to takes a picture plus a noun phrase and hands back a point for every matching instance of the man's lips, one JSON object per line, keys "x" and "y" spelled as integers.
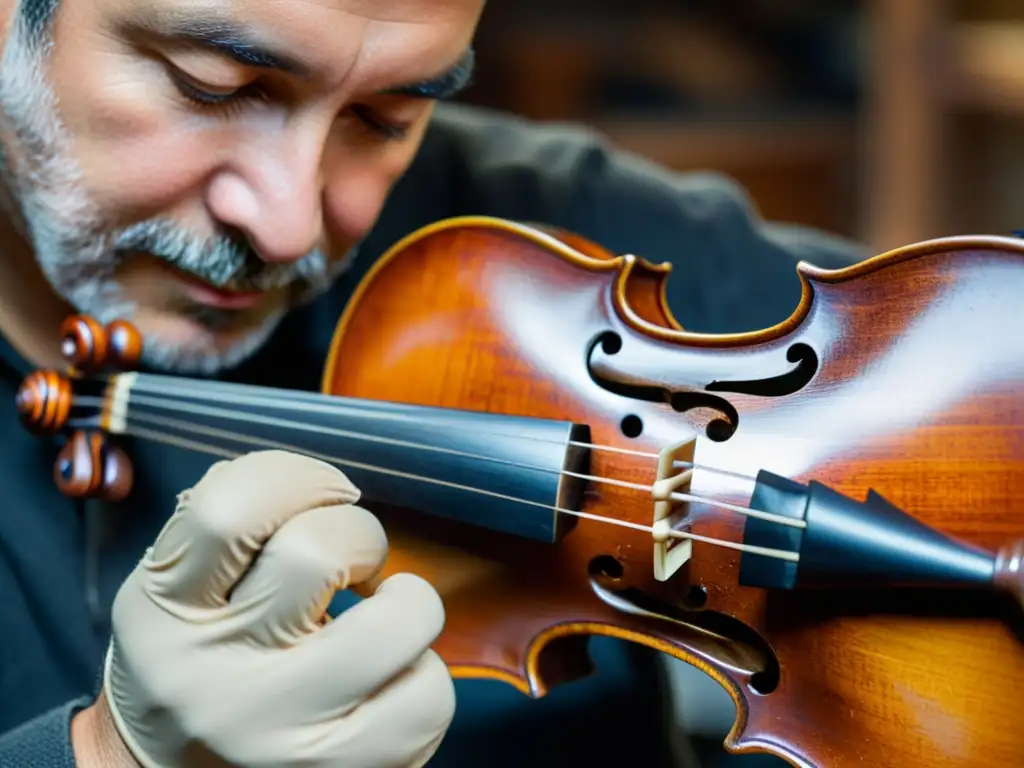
{"x": 204, "y": 293}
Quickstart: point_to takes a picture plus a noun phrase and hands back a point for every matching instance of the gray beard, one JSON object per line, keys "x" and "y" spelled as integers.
{"x": 79, "y": 253}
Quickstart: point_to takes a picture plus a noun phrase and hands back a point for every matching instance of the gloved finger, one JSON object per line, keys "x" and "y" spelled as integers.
{"x": 285, "y": 594}
{"x": 418, "y": 707}
{"x": 223, "y": 522}
{"x": 367, "y": 645}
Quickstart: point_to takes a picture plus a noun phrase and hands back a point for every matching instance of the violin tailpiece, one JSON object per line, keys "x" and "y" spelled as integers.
{"x": 850, "y": 544}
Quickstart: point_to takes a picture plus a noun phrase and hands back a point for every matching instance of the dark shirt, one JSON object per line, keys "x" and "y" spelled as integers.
{"x": 61, "y": 562}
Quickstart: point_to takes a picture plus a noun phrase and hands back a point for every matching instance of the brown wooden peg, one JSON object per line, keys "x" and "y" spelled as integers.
{"x": 89, "y": 347}
{"x": 90, "y": 467}
{"x": 44, "y": 402}
{"x": 118, "y": 476}
{"x": 84, "y": 344}
{"x": 124, "y": 345}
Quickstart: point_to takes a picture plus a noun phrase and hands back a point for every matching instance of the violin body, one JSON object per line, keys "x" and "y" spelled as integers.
{"x": 902, "y": 375}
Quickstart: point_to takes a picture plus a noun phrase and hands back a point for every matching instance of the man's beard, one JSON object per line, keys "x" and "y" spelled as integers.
{"x": 79, "y": 252}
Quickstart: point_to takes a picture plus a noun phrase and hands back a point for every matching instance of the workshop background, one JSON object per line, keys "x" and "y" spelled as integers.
{"x": 888, "y": 120}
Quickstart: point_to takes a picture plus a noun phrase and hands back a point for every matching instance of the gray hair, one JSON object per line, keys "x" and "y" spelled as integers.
{"x": 37, "y": 17}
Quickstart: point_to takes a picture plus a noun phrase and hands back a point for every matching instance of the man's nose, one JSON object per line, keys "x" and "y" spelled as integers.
{"x": 273, "y": 194}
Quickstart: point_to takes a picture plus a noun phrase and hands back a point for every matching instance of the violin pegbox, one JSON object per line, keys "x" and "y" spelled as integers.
{"x": 89, "y": 465}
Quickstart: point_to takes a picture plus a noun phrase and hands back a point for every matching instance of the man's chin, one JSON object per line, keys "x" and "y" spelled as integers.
{"x": 202, "y": 341}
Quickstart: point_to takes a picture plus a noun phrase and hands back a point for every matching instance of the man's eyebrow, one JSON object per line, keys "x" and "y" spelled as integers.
{"x": 232, "y": 40}
{"x": 444, "y": 86}
{"x": 220, "y": 36}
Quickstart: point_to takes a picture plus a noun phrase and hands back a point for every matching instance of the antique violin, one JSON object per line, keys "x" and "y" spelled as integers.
{"x": 824, "y": 516}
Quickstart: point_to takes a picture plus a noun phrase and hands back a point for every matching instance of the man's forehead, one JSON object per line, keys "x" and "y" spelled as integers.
{"x": 310, "y": 37}
{"x": 382, "y": 11}
{"x": 388, "y": 11}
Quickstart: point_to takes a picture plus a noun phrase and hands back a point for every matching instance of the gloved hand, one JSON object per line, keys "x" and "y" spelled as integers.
{"x": 219, "y": 654}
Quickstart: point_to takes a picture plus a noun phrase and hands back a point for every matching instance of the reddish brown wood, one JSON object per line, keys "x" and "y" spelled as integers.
{"x": 84, "y": 343}
{"x": 125, "y": 345}
{"x": 89, "y": 466}
{"x": 118, "y": 475}
{"x": 918, "y": 397}
{"x": 44, "y": 402}
{"x": 90, "y": 347}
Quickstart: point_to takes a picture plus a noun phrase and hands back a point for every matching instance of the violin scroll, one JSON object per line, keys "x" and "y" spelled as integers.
{"x": 88, "y": 465}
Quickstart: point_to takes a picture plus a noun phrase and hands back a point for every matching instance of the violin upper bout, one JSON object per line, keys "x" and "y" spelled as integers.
{"x": 642, "y": 285}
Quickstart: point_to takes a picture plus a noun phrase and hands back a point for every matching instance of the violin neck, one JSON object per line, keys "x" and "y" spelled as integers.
{"x": 506, "y": 473}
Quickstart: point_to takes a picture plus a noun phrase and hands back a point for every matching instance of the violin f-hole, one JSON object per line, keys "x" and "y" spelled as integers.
{"x": 787, "y": 383}
{"x": 720, "y": 426}
{"x": 710, "y": 634}
{"x": 637, "y": 371}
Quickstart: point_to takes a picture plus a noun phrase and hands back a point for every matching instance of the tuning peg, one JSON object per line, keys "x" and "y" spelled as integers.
{"x": 89, "y": 466}
{"x": 89, "y": 347}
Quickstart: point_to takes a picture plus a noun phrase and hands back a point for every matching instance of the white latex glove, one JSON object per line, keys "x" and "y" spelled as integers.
{"x": 220, "y": 657}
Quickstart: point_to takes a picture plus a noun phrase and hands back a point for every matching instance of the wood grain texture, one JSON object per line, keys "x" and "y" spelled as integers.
{"x": 916, "y": 394}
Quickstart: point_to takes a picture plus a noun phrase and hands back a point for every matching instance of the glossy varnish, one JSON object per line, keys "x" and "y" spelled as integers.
{"x": 913, "y": 389}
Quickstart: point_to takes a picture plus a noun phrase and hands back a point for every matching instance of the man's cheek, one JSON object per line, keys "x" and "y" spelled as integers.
{"x": 134, "y": 177}
{"x": 121, "y": 124}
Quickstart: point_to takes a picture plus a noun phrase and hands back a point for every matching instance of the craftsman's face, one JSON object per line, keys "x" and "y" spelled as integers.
{"x": 166, "y": 181}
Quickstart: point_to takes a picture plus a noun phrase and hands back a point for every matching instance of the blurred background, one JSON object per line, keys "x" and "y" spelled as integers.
{"x": 890, "y": 121}
{"x": 887, "y": 120}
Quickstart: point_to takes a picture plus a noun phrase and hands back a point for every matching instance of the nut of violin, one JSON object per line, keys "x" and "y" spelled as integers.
{"x": 1009, "y": 570}
{"x": 44, "y": 402}
{"x": 84, "y": 343}
{"x": 125, "y": 345}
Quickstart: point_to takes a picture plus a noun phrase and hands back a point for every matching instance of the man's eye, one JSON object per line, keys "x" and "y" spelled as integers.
{"x": 230, "y": 98}
{"x": 211, "y": 96}
{"x": 378, "y": 124}
{"x": 203, "y": 96}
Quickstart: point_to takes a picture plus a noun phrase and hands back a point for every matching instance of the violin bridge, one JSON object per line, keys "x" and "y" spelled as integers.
{"x": 671, "y": 553}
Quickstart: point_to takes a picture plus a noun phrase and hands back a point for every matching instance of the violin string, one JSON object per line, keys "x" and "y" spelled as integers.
{"x": 314, "y": 402}
{"x": 193, "y": 445}
{"x": 173, "y": 387}
{"x": 174, "y": 405}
